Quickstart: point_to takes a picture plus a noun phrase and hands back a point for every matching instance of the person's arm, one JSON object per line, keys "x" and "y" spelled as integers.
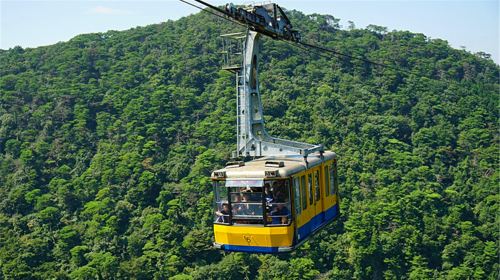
{"x": 286, "y": 213}
{"x": 284, "y": 220}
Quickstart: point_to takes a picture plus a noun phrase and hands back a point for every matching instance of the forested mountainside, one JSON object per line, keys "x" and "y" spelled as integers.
{"x": 107, "y": 142}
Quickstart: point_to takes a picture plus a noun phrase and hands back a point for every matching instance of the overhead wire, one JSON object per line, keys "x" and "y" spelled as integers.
{"x": 308, "y": 46}
{"x": 305, "y": 49}
{"x": 212, "y": 13}
{"x": 337, "y": 53}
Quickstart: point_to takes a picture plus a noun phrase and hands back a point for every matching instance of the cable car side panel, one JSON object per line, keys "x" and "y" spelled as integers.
{"x": 311, "y": 218}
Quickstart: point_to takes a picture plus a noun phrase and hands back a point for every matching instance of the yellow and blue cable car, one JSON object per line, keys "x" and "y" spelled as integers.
{"x": 274, "y": 203}
{"x": 289, "y": 190}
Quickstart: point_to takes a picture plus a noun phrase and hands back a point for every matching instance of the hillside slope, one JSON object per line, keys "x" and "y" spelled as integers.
{"x": 107, "y": 142}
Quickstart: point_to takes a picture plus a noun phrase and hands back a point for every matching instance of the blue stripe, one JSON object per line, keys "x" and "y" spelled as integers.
{"x": 304, "y": 231}
{"x": 250, "y": 249}
{"x": 331, "y": 212}
{"x": 317, "y": 221}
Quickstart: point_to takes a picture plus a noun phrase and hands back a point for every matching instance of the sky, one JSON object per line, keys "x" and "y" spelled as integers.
{"x": 469, "y": 24}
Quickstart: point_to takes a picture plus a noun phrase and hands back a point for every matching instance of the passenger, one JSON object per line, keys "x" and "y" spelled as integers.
{"x": 279, "y": 192}
{"x": 244, "y": 197}
{"x": 245, "y": 189}
{"x": 223, "y": 215}
{"x": 237, "y": 206}
{"x": 251, "y": 207}
{"x": 279, "y": 196}
{"x": 245, "y": 207}
{"x": 280, "y": 214}
{"x": 255, "y": 189}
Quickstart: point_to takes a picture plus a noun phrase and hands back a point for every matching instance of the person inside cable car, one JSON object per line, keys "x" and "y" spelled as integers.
{"x": 245, "y": 207}
{"x": 236, "y": 203}
{"x": 223, "y": 214}
{"x": 239, "y": 208}
{"x": 246, "y": 210}
{"x": 252, "y": 204}
{"x": 280, "y": 214}
{"x": 279, "y": 192}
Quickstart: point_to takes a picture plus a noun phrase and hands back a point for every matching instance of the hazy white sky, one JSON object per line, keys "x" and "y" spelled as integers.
{"x": 473, "y": 24}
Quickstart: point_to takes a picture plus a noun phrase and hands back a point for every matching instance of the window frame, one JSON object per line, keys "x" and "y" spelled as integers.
{"x": 297, "y": 196}
{"x": 310, "y": 188}
{"x": 303, "y": 187}
{"x": 333, "y": 187}
{"x": 317, "y": 185}
{"x": 326, "y": 177}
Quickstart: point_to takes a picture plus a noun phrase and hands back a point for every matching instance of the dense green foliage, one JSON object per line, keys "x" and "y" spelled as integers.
{"x": 107, "y": 142}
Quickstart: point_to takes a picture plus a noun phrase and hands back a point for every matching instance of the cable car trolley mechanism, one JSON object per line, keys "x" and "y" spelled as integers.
{"x": 289, "y": 190}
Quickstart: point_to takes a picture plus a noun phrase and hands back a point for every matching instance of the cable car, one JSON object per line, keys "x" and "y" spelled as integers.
{"x": 289, "y": 190}
{"x": 275, "y": 203}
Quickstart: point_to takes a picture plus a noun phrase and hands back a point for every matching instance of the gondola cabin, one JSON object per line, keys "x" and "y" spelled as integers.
{"x": 274, "y": 203}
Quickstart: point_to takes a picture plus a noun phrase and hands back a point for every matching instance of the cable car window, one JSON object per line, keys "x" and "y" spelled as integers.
{"x": 221, "y": 210}
{"x": 316, "y": 185}
{"x": 327, "y": 181}
{"x": 332, "y": 181}
{"x": 303, "y": 191}
{"x": 220, "y": 191}
{"x": 246, "y": 205}
{"x": 296, "y": 191}
{"x": 277, "y": 196}
{"x": 278, "y": 190}
{"x": 310, "y": 188}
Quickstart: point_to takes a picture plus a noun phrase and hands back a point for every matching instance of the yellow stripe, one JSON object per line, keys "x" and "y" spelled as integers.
{"x": 254, "y": 236}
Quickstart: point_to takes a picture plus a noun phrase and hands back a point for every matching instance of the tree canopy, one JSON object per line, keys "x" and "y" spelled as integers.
{"x": 107, "y": 142}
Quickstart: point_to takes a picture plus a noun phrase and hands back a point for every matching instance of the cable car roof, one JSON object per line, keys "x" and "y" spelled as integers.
{"x": 284, "y": 166}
